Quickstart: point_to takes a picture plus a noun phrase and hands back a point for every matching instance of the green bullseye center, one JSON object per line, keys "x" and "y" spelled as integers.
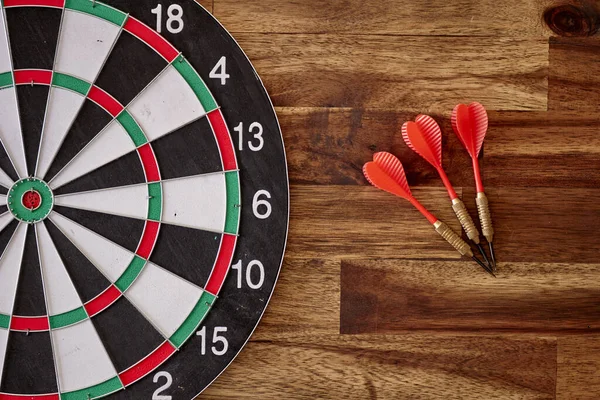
{"x": 30, "y": 200}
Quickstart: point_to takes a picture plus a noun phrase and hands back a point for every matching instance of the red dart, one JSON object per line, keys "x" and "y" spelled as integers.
{"x": 424, "y": 137}
{"x": 387, "y": 173}
{"x": 470, "y": 124}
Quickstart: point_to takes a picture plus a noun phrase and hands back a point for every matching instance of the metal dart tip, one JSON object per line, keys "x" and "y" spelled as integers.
{"x": 492, "y": 255}
{"x": 487, "y": 268}
{"x": 485, "y": 258}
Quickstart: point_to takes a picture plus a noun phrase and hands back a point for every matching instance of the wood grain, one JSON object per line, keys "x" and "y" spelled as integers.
{"x": 394, "y": 367}
{"x": 415, "y": 73}
{"x": 393, "y": 17}
{"x": 578, "y": 370}
{"x": 351, "y": 221}
{"x": 543, "y": 224}
{"x": 392, "y": 296}
{"x": 573, "y": 77}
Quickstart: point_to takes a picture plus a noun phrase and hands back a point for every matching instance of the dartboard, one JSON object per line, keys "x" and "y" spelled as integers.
{"x": 143, "y": 199}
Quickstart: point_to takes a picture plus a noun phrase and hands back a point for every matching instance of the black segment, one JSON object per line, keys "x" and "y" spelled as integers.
{"x": 89, "y": 122}
{"x": 29, "y": 364}
{"x": 7, "y": 167}
{"x": 189, "y": 253}
{"x": 7, "y": 234}
{"x": 30, "y": 299}
{"x": 126, "y": 170}
{"x": 32, "y": 102}
{"x": 129, "y": 69}
{"x": 196, "y": 149}
{"x": 125, "y": 232}
{"x": 33, "y": 36}
{"x": 87, "y": 279}
{"x": 126, "y": 334}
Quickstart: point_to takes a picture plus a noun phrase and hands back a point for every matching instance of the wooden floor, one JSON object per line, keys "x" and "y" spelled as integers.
{"x": 371, "y": 303}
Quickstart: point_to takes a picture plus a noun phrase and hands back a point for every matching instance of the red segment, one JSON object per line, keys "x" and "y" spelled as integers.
{"x": 223, "y": 139}
{"x": 33, "y": 324}
{"x": 103, "y": 301}
{"x": 147, "y": 365}
{"x": 219, "y": 272}
{"x": 31, "y": 200}
{"x": 37, "y": 76}
{"x": 6, "y": 396}
{"x": 37, "y": 3}
{"x": 148, "y": 239}
{"x": 105, "y": 100}
{"x": 151, "y": 38}
{"x": 149, "y": 162}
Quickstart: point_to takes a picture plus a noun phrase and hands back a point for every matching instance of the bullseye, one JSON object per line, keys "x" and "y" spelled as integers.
{"x": 31, "y": 200}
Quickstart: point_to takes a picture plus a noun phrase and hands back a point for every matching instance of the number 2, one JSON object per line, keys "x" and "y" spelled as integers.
{"x": 157, "y": 395}
{"x": 174, "y": 22}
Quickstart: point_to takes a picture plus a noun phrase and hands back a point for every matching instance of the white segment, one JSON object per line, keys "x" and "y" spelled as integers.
{"x": 165, "y": 299}
{"x": 5, "y": 179}
{"x": 165, "y": 105}
{"x": 197, "y": 202}
{"x": 128, "y": 201}
{"x": 3, "y": 343}
{"x": 5, "y": 64}
{"x": 61, "y": 295}
{"x": 84, "y": 44}
{"x": 2, "y": 200}
{"x": 110, "y": 144}
{"x": 80, "y": 357}
{"x": 10, "y": 265}
{"x": 5, "y": 219}
{"x": 63, "y": 107}
{"x": 10, "y": 130}
{"x": 111, "y": 259}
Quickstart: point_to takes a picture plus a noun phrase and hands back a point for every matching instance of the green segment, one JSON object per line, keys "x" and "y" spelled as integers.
{"x": 233, "y": 202}
{"x": 193, "y": 320}
{"x": 68, "y": 318}
{"x": 6, "y": 79}
{"x": 155, "y": 202}
{"x": 98, "y": 9}
{"x": 15, "y": 202}
{"x": 196, "y": 83}
{"x": 131, "y": 273}
{"x": 70, "y": 82}
{"x": 102, "y": 389}
{"x": 4, "y": 321}
{"x": 132, "y": 128}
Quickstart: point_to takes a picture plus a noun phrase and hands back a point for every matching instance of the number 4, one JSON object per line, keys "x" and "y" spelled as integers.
{"x": 220, "y": 71}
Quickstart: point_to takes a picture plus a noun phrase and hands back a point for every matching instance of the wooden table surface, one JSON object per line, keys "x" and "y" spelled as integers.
{"x": 371, "y": 303}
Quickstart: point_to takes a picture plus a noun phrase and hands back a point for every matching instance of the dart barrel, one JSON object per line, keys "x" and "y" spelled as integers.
{"x": 483, "y": 206}
{"x": 465, "y": 220}
{"x": 451, "y": 237}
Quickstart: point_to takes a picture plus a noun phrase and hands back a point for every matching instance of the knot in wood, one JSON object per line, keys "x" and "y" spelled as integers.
{"x": 573, "y": 20}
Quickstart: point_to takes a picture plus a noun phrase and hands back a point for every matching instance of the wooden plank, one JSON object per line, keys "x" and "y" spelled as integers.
{"x": 574, "y": 74}
{"x": 414, "y": 73}
{"x": 208, "y": 4}
{"x": 394, "y": 17}
{"x": 353, "y": 221}
{"x": 392, "y": 296}
{"x": 391, "y": 367}
{"x": 578, "y": 366}
{"x": 306, "y": 299}
{"x": 329, "y": 146}
{"x": 543, "y": 224}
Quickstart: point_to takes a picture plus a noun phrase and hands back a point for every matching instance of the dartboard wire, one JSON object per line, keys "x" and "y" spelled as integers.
{"x": 91, "y": 86}
{"x": 11, "y": 241}
{"x": 123, "y": 292}
{"x": 12, "y": 71}
{"x": 37, "y": 244}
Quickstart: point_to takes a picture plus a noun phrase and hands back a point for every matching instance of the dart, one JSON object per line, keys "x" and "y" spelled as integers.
{"x": 424, "y": 137}
{"x": 470, "y": 123}
{"x": 387, "y": 173}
